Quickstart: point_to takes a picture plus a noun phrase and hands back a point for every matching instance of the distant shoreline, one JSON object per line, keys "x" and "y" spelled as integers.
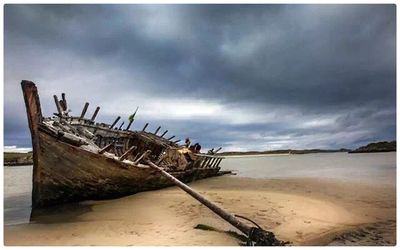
{"x": 12, "y": 159}
{"x": 377, "y": 147}
{"x": 282, "y": 152}
{"x": 253, "y": 155}
{"x": 245, "y": 154}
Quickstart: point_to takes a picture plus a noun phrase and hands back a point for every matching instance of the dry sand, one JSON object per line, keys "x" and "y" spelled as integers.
{"x": 302, "y": 211}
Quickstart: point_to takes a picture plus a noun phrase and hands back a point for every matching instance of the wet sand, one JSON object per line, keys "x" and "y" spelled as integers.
{"x": 300, "y": 210}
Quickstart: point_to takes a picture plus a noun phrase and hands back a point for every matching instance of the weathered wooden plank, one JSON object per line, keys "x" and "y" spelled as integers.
{"x": 95, "y": 114}
{"x": 216, "y": 162}
{"x": 107, "y": 147}
{"x": 115, "y": 122}
{"x": 120, "y": 126}
{"x": 84, "y": 110}
{"x": 145, "y": 126}
{"x": 164, "y": 133}
{"x": 61, "y": 103}
{"x": 62, "y": 136}
{"x": 64, "y": 100}
{"x": 137, "y": 161}
{"x": 219, "y": 162}
{"x": 57, "y": 105}
{"x": 204, "y": 161}
{"x": 127, "y": 153}
{"x": 211, "y": 162}
{"x": 34, "y": 114}
{"x": 216, "y": 151}
{"x": 158, "y": 129}
{"x": 129, "y": 124}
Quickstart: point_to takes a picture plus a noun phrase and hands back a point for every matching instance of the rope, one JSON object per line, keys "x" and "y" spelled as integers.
{"x": 242, "y": 217}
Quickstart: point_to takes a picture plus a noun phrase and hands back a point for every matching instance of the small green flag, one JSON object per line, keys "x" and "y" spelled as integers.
{"x": 132, "y": 116}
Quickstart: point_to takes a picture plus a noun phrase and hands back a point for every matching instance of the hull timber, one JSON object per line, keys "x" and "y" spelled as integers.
{"x": 68, "y": 166}
{"x": 69, "y": 173}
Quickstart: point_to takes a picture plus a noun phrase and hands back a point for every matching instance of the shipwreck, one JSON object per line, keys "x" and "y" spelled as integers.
{"x": 75, "y": 158}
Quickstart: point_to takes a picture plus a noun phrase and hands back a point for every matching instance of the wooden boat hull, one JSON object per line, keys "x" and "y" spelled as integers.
{"x": 67, "y": 173}
{"x": 64, "y": 172}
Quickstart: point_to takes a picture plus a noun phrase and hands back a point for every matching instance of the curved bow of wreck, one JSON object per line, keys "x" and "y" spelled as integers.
{"x": 77, "y": 159}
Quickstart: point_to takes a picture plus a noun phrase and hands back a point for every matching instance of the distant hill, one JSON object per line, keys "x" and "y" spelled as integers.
{"x": 18, "y": 159}
{"x": 382, "y": 146}
{"x": 285, "y": 151}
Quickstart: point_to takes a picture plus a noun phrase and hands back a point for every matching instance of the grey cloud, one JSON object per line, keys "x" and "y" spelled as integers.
{"x": 319, "y": 60}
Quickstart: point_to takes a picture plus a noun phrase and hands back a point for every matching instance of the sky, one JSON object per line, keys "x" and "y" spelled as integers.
{"x": 243, "y": 77}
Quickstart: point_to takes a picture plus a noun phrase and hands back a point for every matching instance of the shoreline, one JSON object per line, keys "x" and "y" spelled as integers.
{"x": 288, "y": 154}
{"x": 304, "y": 211}
{"x": 254, "y": 155}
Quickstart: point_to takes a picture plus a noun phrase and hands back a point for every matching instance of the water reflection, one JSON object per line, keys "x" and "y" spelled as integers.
{"x": 59, "y": 214}
{"x": 379, "y": 168}
{"x": 18, "y": 201}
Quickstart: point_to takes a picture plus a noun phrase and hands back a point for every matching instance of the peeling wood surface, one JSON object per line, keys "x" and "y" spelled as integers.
{"x": 34, "y": 114}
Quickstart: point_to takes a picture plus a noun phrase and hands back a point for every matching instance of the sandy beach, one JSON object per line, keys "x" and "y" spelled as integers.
{"x": 303, "y": 211}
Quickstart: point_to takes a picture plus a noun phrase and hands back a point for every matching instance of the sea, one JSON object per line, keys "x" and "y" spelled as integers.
{"x": 372, "y": 168}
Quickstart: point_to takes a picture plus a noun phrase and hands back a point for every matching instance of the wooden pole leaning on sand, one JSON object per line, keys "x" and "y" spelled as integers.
{"x": 254, "y": 234}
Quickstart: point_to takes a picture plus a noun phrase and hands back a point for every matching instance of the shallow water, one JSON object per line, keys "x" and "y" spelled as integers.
{"x": 17, "y": 194}
{"x": 374, "y": 168}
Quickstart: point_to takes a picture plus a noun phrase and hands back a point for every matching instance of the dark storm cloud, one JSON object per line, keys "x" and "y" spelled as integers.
{"x": 272, "y": 75}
